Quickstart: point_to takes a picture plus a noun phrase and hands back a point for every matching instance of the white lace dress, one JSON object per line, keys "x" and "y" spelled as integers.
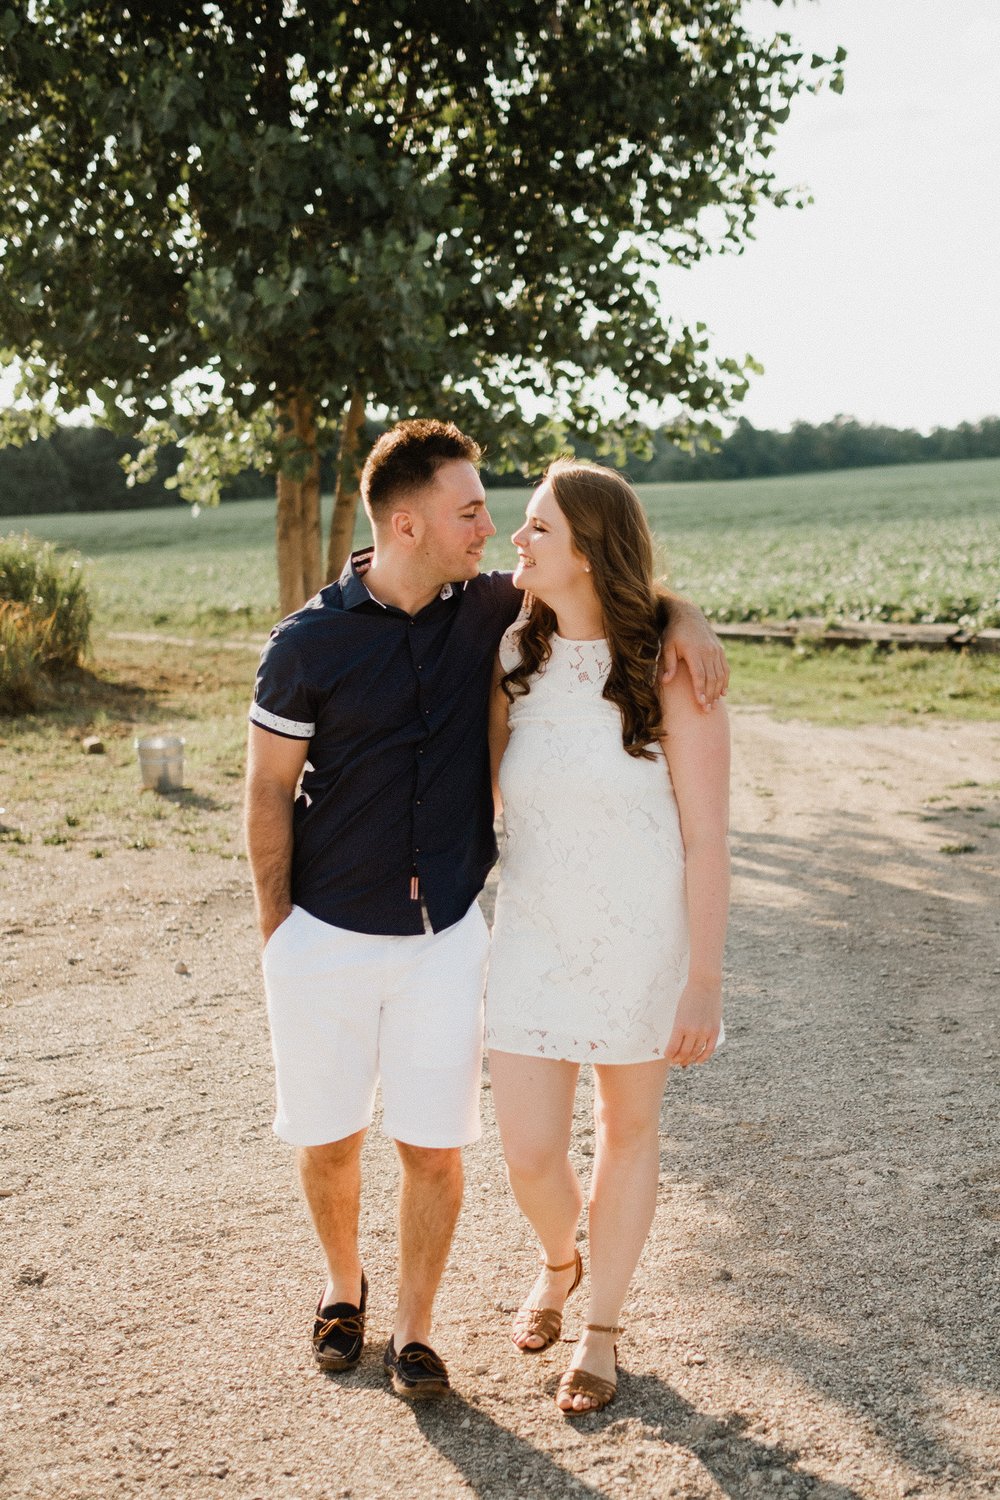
{"x": 590, "y": 942}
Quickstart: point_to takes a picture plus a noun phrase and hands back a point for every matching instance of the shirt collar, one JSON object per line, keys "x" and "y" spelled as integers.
{"x": 352, "y": 581}
{"x": 352, "y": 586}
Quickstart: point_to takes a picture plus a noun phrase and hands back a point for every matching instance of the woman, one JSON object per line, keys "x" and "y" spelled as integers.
{"x": 613, "y": 896}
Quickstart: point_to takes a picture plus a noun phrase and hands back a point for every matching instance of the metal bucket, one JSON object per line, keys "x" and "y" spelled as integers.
{"x": 161, "y": 762}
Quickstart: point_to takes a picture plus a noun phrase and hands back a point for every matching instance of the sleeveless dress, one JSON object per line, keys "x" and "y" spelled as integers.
{"x": 590, "y": 941}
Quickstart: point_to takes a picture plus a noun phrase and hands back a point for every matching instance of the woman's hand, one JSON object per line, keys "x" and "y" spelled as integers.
{"x": 689, "y": 638}
{"x": 696, "y": 1024}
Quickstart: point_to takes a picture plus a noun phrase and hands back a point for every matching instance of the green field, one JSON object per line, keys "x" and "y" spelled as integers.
{"x": 913, "y": 543}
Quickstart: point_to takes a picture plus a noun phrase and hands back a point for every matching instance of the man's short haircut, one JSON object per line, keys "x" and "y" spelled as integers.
{"x": 407, "y": 457}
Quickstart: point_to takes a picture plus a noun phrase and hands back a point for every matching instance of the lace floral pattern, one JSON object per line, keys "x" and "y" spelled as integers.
{"x": 590, "y": 943}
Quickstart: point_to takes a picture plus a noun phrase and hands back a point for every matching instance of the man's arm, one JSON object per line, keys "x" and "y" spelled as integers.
{"x": 689, "y": 638}
{"x": 499, "y": 733}
{"x": 274, "y": 765}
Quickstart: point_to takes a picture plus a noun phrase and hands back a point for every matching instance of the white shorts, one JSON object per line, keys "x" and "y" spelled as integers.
{"x": 348, "y": 1009}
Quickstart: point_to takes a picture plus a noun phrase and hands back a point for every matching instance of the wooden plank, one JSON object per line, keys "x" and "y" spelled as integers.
{"x": 984, "y": 640}
{"x": 861, "y": 633}
{"x": 848, "y": 633}
{"x": 756, "y": 630}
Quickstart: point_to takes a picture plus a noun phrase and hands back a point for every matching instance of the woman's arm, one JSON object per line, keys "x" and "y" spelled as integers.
{"x": 690, "y": 639}
{"x": 697, "y": 750}
{"x": 499, "y": 732}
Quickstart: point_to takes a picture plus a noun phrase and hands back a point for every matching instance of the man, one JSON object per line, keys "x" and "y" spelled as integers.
{"x": 366, "y": 874}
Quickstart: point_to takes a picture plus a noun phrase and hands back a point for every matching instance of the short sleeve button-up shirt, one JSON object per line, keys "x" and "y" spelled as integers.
{"x": 395, "y": 810}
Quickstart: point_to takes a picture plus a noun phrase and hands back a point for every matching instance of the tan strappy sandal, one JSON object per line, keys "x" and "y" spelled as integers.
{"x": 543, "y": 1322}
{"x": 583, "y": 1383}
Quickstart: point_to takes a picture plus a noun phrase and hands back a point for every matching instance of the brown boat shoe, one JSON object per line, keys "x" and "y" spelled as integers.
{"x": 338, "y": 1335}
{"x": 416, "y": 1371}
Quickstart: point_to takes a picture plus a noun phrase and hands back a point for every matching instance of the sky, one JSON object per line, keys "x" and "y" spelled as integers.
{"x": 881, "y": 300}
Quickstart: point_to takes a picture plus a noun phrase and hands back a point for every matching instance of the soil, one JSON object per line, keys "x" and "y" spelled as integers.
{"x": 815, "y": 1313}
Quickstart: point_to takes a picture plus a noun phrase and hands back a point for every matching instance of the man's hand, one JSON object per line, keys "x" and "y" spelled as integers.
{"x": 274, "y": 765}
{"x": 270, "y": 923}
{"x": 689, "y": 638}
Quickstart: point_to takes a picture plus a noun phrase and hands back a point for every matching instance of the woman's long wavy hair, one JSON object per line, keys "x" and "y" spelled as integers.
{"x": 609, "y": 528}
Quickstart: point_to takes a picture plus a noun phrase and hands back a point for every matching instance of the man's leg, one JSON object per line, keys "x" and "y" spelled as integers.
{"x": 429, "y": 1200}
{"x": 430, "y": 1055}
{"x": 331, "y": 1181}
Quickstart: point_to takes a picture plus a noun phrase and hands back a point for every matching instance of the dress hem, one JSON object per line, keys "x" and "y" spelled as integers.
{"x": 589, "y": 1056}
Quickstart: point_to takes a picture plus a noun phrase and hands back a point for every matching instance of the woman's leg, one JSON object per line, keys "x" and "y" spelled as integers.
{"x": 533, "y": 1099}
{"x": 622, "y": 1199}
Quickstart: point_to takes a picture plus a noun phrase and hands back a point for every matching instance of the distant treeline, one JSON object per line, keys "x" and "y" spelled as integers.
{"x": 750, "y": 452}
{"x": 78, "y": 468}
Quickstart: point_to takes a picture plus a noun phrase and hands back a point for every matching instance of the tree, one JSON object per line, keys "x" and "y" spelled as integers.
{"x": 245, "y": 224}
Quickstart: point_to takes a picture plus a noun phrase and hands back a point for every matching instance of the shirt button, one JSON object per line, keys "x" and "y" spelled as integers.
{"x": 419, "y": 802}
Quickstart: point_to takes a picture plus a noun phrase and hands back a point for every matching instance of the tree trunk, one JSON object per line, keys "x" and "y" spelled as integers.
{"x": 312, "y": 521}
{"x": 288, "y": 526}
{"x": 348, "y": 488}
{"x": 298, "y": 533}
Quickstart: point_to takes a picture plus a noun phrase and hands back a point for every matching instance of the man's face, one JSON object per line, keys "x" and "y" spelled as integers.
{"x": 453, "y": 523}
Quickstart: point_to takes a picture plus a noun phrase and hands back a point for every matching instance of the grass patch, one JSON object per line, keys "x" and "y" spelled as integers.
{"x": 60, "y": 803}
{"x": 910, "y": 543}
{"x": 93, "y": 805}
{"x": 864, "y": 685}
{"x": 212, "y": 574}
{"x": 23, "y": 639}
{"x": 51, "y": 585}
{"x": 45, "y": 619}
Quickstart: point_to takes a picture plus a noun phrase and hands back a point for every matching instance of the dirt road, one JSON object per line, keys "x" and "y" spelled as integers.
{"x": 816, "y": 1310}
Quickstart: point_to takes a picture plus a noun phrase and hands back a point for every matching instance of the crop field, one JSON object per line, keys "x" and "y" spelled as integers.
{"x": 913, "y": 543}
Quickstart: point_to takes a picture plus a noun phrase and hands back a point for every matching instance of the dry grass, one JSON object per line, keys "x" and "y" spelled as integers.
{"x": 94, "y": 802}
{"x": 45, "y": 619}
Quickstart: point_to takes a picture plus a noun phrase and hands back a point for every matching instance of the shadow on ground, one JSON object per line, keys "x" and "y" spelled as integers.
{"x": 880, "y": 1115}
{"x": 479, "y": 1448}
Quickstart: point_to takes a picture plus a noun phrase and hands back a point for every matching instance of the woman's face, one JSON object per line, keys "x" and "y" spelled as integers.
{"x": 548, "y": 563}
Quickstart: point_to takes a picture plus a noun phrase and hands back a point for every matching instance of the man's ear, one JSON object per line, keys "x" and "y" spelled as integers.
{"x": 406, "y": 527}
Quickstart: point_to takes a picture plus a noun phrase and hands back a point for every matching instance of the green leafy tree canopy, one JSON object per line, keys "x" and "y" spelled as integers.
{"x": 242, "y": 225}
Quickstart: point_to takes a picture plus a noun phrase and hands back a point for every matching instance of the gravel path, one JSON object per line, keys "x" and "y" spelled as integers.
{"x": 816, "y": 1310}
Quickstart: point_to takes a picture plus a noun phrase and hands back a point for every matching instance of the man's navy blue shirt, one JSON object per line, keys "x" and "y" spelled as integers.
{"x": 395, "y": 809}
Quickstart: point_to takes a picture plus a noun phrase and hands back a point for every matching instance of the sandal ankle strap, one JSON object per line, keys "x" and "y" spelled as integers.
{"x": 602, "y": 1328}
{"x": 568, "y": 1266}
